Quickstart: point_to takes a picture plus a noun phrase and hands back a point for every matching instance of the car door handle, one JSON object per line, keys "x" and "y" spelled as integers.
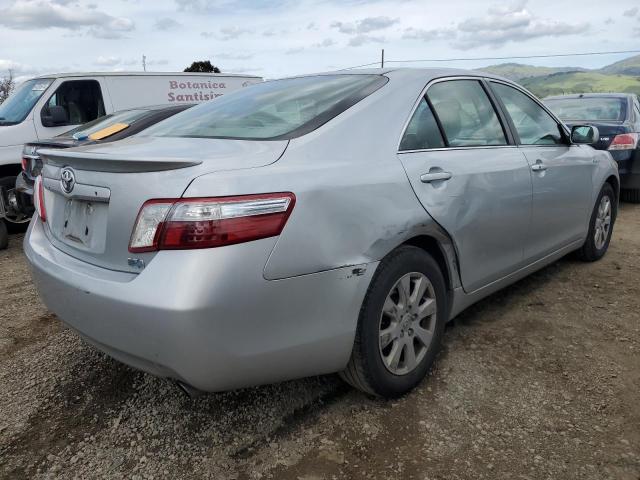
{"x": 538, "y": 166}
{"x": 435, "y": 176}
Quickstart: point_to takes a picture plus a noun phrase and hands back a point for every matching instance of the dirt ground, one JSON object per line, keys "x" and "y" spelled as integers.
{"x": 540, "y": 381}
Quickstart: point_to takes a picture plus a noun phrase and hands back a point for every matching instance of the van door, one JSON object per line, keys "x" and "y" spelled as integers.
{"x": 469, "y": 178}
{"x": 72, "y": 103}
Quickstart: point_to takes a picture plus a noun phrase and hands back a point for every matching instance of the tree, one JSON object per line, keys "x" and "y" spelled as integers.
{"x": 203, "y": 67}
{"x": 6, "y": 86}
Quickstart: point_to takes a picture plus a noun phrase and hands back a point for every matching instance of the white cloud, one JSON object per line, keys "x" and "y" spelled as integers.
{"x": 227, "y": 33}
{"x": 366, "y": 25}
{"x": 166, "y": 23}
{"x": 44, "y": 14}
{"x": 110, "y": 61}
{"x": 428, "y": 35}
{"x": 359, "y": 40}
{"x": 511, "y": 23}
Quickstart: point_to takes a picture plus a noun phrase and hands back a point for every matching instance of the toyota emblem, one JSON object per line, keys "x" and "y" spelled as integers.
{"x": 67, "y": 180}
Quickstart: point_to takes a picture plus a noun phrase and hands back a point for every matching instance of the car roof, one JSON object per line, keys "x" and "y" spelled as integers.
{"x": 590, "y": 95}
{"x": 143, "y": 74}
{"x": 422, "y": 73}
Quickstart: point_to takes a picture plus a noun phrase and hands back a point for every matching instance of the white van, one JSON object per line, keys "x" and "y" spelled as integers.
{"x": 46, "y": 106}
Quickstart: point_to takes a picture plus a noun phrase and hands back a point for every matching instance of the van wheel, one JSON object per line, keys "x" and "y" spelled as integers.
{"x": 400, "y": 326}
{"x": 4, "y": 236}
{"x": 631, "y": 195}
{"x": 16, "y": 222}
{"x": 600, "y": 226}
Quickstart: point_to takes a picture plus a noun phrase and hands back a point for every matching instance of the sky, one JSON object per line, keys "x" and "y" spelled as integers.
{"x": 276, "y": 38}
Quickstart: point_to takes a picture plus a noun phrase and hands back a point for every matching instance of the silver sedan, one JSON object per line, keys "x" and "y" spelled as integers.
{"x": 316, "y": 224}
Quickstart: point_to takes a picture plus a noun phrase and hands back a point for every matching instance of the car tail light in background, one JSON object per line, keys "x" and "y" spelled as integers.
{"x": 25, "y": 164}
{"x": 185, "y": 223}
{"x": 624, "y": 141}
{"x": 38, "y": 198}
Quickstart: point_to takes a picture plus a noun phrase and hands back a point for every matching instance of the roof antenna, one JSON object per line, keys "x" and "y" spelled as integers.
{"x": 144, "y": 62}
{"x": 382, "y": 59}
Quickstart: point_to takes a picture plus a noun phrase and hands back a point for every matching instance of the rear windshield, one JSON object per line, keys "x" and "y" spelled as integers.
{"x": 273, "y": 110}
{"x": 126, "y": 116}
{"x": 606, "y": 109}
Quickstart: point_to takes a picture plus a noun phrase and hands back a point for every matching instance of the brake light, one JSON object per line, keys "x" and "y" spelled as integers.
{"x": 185, "y": 223}
{"x": 38, "y": 198}
{"x": 624, "y": 141}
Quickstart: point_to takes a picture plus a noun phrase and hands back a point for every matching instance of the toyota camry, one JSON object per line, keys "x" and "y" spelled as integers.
{"x": 323, "y": 223}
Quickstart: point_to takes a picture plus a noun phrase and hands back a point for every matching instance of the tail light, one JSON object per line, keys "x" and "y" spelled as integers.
{"x": 624, "y": 141}
{"x": 25, "y": 164}
{"x": 168, "y": 224}
{"x": 38, "y": 198}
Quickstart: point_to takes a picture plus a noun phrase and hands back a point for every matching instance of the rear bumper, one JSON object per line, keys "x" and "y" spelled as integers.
{"x": 205, "y": 317}
{"x": 628, "y": 166}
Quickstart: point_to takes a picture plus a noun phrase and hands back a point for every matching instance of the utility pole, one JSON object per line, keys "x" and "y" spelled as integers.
{"x": 144, "y": 63}
{"x": 382, "y": 60}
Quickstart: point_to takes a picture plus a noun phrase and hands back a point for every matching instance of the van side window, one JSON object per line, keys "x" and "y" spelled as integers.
{"x": 466, "y": 114}
{"x": 81, "y": 101}
{"x": 533, "y": 124}
{"x": 422, "y": 131}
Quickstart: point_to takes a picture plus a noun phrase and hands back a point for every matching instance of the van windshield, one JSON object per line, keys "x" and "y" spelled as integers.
{"x": 279, "y": 109}
{"x": 16, "y": 108}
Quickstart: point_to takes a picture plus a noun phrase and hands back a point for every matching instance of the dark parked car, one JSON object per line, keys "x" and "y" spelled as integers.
{"x": 109, "y": 128}
{"x": 617, "y": 116}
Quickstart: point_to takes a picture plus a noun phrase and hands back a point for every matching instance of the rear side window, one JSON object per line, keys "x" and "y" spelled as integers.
{"x": 466, "y": 114}
{"x": 279, "y": 109}
{"x": 533, "y": 124}
{"x": 422, "y": 131}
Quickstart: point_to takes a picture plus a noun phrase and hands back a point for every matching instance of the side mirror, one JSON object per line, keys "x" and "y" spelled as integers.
{"x": 585, "y": 134}
{"x": 57, "y": 116}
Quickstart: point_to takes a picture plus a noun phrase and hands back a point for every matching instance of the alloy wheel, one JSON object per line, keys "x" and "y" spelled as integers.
{"x": 407, "y": 323}
{"x": 603, "y": 222}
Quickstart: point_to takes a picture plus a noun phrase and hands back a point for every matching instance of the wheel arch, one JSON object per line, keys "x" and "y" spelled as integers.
{"x": 430, "y": 245}
{"x": 615, "y": 184}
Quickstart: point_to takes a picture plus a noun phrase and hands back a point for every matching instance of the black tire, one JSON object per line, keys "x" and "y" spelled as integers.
{"x": 4, "y": 236}
{"x": 7, "y": 183}
{"x": 366, "y": 370}
{"x": 631, "y": 195}
{"x": 589, "y": 252}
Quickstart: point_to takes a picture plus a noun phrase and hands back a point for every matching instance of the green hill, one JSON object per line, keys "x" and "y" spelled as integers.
{"x": 581, "y": 82}
{"x": 518, "y": 71}
{"x": 628, "y": 66}
{"x": 621, "y": 76}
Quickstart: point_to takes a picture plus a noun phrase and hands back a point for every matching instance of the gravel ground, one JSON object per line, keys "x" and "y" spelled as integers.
{"x": 540, "y": 381}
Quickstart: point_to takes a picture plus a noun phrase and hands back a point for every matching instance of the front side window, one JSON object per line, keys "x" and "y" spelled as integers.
{"x": 422, "y": 131}
{"x": 466, "y": 114}
{"x": 80, "y": 101}
{"x": 16, "y": 108}
{"x": 533, "y": 124}
{"x": 278, "y": 109}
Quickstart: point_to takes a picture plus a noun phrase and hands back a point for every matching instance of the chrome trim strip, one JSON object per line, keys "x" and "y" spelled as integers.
{"x": 80, "y": 191}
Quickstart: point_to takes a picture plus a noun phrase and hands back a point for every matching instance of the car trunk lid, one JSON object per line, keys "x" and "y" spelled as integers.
{"x": 93, "y": 220}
